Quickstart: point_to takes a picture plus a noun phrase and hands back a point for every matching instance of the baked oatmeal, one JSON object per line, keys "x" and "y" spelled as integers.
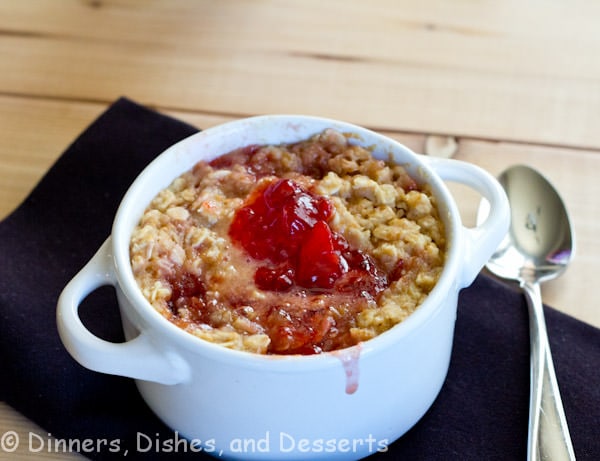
{"x": 290, "y": 249}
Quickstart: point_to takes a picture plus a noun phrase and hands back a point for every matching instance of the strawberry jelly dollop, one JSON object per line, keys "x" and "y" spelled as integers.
{"x": 287, "y": 228}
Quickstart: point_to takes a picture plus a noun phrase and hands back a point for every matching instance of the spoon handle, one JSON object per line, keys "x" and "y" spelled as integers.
{"x": 548, "y": 437}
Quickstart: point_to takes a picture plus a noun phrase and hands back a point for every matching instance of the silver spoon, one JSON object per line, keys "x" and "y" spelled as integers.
{"x": 537, "y": 248}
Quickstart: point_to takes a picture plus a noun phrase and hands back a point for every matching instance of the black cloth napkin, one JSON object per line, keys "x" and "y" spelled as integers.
{"x": 480, "y": 414}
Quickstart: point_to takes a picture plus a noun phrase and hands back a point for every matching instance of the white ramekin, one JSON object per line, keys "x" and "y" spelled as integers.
{"x": 339, "y": 405}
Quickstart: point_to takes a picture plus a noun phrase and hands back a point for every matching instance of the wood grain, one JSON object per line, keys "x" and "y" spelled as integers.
{"x": 473, "y": 69}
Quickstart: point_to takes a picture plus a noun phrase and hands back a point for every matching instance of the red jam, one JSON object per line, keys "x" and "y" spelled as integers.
{"x": 188, "y": 292}
{"x": 287, "y": 227}
{"x": 275, "y": 220}
{"x": 322, "y": 282}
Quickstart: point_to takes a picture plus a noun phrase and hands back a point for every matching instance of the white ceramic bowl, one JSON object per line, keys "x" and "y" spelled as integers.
{"x": 338, "y": 405}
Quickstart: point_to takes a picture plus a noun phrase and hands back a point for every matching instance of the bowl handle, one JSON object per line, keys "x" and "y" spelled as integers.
{"x": 138, "y": 358}
{"x": 483, "y": 240}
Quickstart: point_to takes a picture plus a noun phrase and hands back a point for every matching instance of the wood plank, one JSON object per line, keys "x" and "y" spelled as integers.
{"x": 430, "y": 68}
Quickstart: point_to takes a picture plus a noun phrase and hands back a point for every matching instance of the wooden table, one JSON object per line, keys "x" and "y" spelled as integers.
{"x": 493, "y": 83}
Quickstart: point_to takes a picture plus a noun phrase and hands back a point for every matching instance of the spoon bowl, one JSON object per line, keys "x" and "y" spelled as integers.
{"x": 537, "y": 248}
{"x": 540, "y": 243}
